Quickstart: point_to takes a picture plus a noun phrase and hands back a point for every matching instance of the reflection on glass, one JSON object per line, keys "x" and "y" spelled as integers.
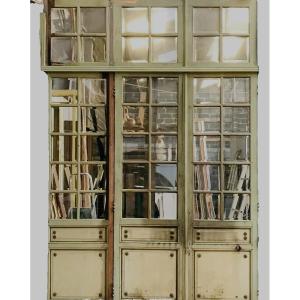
{"x": 165, "y": 90}
{"x": 236, "y": 90}
{"x": 236, "y": 207}
{"x": 164, "y": 49}
{"x": 93, "y": 20}
{"x": 236, "y": 20}
{"x": 235, "y": 49}
{"x": 135, "y": 20}
{"x": 63, "y": 148}
{"x": 206, "y": 119}
{"x": 135, "y": 90}
{"x": 164, "y": 176}
{"x": 237, "y": 177}
{"x": 93, "y": 206}
{"x": 164, "y": 119}
{"x": 164, "y": 206}
{"x": 93, "y": 49}
{"x": 135, "y": 205}
{"x": 206, "y": 20}
{"x": 94, "y": 91}
{"x": 207, "y": 177}
{"x": 135, "y": 49}
{"x": 64, "y": 119}
{"x": 206, "y": 90}
{"x": 93, "y": 119}
{"x": 135, "y": 147}
{"x": 236, "y": 119}
{"x": 63, "y": 50}
{"x": 63, "y": 20}
{"x": 135, "y": 119}
{"x": 63, "y": 205}
{"x": 163, "y": 20}
{"x": 93, "y": 177}
{"x": 63, "y": 177}
{"x": 236, "y": 148}
{"x": 206, "y": 49}
{"x": 135, "y": 176}
{"x": 164, "y": 148}
{"x": 93, "y": 148}
{"x": 207, "y": 206}
{"x": 207, "y": 148}
{"x": 64, "y": 91}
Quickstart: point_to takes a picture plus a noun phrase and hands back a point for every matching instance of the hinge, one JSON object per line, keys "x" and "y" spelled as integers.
{"x": 257, "y": 240}
{"x": 257, "y": 293}
{"x": 113, "y": 291}
{"x": 257, "y": 206}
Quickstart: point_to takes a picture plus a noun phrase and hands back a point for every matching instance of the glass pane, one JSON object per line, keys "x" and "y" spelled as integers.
{"x": 237, "y": 207}
{"x": 93, "y": 177}
{"x": 135, "y": 147}
{"x": 93, "y": 148}
{"x": 64, "y": 177}
{"x": 164, "y": 176}
{"x": 164, "y": 49}
{"x": 236, "y": 90}
{"x": 64, "y": 91}
{"x": 206, "y": 20}
{"x": 206, "y": 49}
{"x": 63, "y": 50}
{"x": 93, "y": 206}
{"x": 163, "y": 20}
{"x": 135, "y": 49}
{"x": 93, "y": 119}
{"x": 64, "y": 119}
{"x": 135, "y": 90}
{"x": 236, "y": 119}
{"x": 93, "y": 20}
{"x": 236, "y": 148}
{"x": 135, "y": 205}
{"x": 207, "y": 177}
{"x": 164, "y": 119}
{"x": 94, "y": 91}
{"x": 135, "y": 20}
{"x": 63, "y": 20}
{"x": 207, "y": 148}
{"x": 206, "y": 119}
{"x": 206, "y": 90}
{"x": 165, "y": 90}
{"x": 164, "y": 206}
{"x": 63, "y": 206}
{"x": 135, "y": 176}
{"x": 235, "y": 49}
{"x": 135, "y": 118}
{"x": 63, "y": 148}
{"x": 93, "y": 49}
{"x": 207, "y": 206}
{"x": 164, "y": 148}
{"x": 236, "y": 20}
{"x": 237, "y": 177}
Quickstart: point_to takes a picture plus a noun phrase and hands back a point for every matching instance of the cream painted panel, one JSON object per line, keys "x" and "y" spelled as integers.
{"x": 222, "y": 275}
{"x": 77, "y": 274}
{"x": 230, "y": 236}
{"x": 149, "y": 234}
{"x": 78, "y": 234}
{"x": 149, "y": 274}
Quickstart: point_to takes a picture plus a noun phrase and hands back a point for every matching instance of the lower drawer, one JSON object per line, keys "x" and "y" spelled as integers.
{"x": 226, "y": 236}
{"x": 74, "y": 234}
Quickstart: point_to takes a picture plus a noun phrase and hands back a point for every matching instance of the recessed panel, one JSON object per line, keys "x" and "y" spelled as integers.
{"x": 149, "y": 274}
{"x": 222, "y": 275}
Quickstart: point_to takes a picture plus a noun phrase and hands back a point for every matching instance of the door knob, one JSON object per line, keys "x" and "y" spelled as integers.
{"x": 238, "y": 248}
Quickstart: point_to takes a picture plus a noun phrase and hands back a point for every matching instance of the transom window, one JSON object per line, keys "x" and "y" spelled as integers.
{"x": 221, "y": 148}
{"x": 221, "y": 34}
{"x": 149, "y": 34}
{"x": 78, "y": 35}
{"x": 150, "y": 113}
{"x": 78, "y": 152}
